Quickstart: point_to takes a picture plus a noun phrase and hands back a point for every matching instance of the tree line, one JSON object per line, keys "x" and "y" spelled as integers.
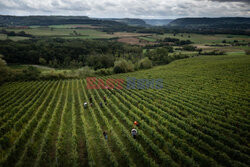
{"x": 62, "y": 53}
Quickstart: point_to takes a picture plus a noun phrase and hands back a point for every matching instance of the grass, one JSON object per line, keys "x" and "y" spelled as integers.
{"x": 239, "y": 53}
{"x": 43, "y": 69}
{"x": 62, "y": 26}
{"x": 14, "y": 38}
{"x": 150, "y": 39}
{"x": 190, "y": 53}
{"x": 205, "y": 39}
{"x": 64, "y": 32}
{"x": 17, "y": 66}
{"x": 82, "y": 26}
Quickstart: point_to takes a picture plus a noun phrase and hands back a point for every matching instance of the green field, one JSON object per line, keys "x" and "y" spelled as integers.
{"x": 199, "y": 118}
{"x": 16, "y": 38}
{"x": 189, "y": 53}
{"x": 150, "y": 39}
{"x": 205, "y": 39}
{"x": 206, "y": 42}
{"x": 69, "y": 32}
{"x": 70, "y": 26}
{"x": 63, "y": 32}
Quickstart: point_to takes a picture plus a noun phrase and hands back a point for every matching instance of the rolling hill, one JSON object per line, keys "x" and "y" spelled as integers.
{"x": 224, "y": 23}
{"x": 53, "y": 20}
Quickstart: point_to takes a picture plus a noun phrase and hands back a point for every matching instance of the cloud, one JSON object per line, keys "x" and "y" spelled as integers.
{"x": 243, "y": 1}
{"x": 128, "y": 8}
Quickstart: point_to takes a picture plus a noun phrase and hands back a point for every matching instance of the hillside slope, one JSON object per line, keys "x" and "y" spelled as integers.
{"x": 52, "y": 20}
{"x": 129, "y": 21}
{"x": 226, "y": 23}
{"x": 200, "y": 118}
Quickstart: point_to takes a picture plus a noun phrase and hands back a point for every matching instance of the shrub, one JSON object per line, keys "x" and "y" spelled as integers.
{"x": 104, "y": 71}
{"x": 215, "y": 52}
{"x": 85, "y": 72}
{"x": 247, "y": 52}
{"x": 54, "y": 76}
{"x": 145, "y": 63}
{"x": 31, "y": 73}
{"x": 123, "y": 66}
{"x": 42, "y": 61}
{"x": 4, "y": 70}
{"x": 189, "y": 48}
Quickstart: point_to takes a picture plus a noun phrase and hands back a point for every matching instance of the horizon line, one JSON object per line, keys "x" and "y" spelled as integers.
{"x": 124, "y": 17}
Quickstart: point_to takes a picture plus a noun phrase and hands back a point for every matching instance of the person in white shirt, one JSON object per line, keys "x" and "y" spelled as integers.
{"x": 134, "y": 133}
{"x": 85, "y": 105}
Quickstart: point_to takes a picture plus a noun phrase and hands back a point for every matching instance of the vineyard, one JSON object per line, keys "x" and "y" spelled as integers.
{"x": 199, "y": 118}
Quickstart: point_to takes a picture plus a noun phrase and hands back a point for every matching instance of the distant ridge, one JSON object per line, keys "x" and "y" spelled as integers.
{"x": 6, "y": 20}
{"x": 223, "y": 22}
{"x": 133, "y": 24}
{"x": 128, "y": 21}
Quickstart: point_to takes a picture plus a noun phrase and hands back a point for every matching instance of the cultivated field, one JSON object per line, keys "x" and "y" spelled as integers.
{"x": 68, "y": 32}
{"x": 205, "y": 38}
{"x": 199, "y": 118}
{"x": 207, "y": 43}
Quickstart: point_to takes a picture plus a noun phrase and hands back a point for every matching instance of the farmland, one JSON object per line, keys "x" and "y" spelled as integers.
{"x": 199, "y": 118}
{"x": 226, "y": 43}
{"x": 207, "y": 42}
{"x": 205, "y": 38}
{"x": 68, "y": 32}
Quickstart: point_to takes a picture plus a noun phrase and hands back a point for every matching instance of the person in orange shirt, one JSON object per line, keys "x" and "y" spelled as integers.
{"x": 136, "y": 123}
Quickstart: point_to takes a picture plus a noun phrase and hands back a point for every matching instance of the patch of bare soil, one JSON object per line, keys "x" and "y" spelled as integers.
{"x": 134, "y": 41}
{"x": 202, "y": 46}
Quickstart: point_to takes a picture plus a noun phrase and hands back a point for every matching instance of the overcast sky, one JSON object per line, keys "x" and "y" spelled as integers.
{"x": 128, "y": 8}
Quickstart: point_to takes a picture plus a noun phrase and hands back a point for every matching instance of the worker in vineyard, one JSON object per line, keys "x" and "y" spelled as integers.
{"x": 136, "y": 123}
{"x": 85, "y": 105}
{"x": 104, "y": 99}
{"x": 134, "y": 133}
{"x": 90, "y": 100}
{"x": 101, "y": 105}
{"x": 105, "y": 135}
